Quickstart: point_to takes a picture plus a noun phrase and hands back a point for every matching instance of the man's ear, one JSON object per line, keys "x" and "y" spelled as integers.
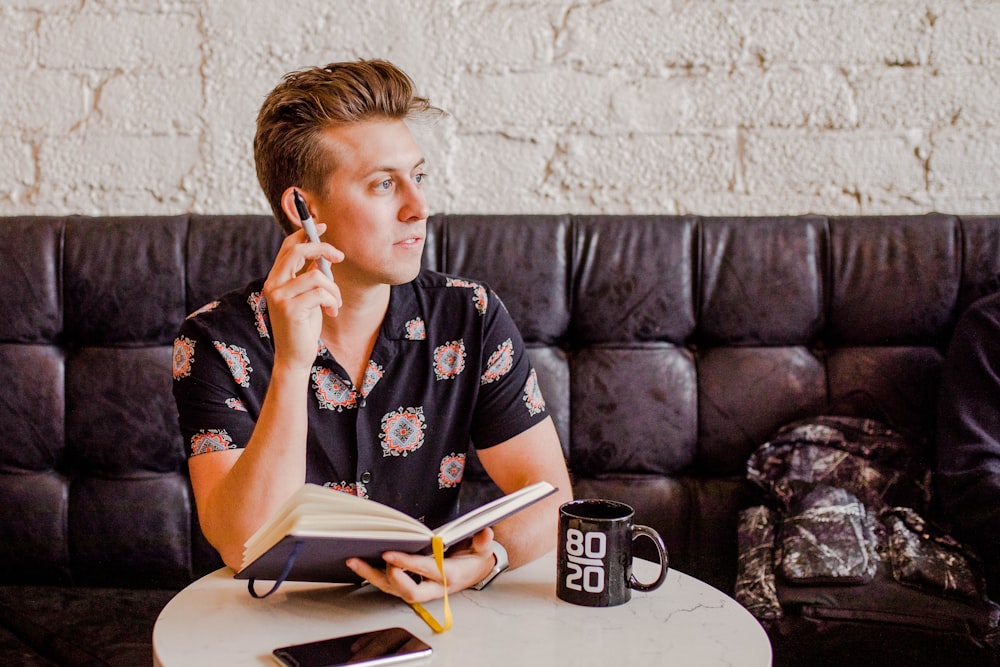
{"x": 288, "y": 205}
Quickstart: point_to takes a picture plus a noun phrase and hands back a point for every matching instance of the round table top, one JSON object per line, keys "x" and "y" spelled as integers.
{"x": 516, "y": 620}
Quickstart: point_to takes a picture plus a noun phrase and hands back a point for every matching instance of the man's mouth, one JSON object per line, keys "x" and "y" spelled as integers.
{"x": 410, "y": 241}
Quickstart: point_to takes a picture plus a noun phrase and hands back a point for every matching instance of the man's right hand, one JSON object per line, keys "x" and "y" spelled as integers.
{"x": 297, "y": 296}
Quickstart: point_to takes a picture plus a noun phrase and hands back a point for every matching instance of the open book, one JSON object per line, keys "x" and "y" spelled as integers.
{"x": 317, "y": 530}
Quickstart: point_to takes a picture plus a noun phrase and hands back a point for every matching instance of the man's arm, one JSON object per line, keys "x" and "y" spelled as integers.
{"x": 237, "y": 490}
{"x": 531, "y": 456}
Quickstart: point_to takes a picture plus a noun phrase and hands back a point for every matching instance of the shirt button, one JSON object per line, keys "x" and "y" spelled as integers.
{"x": 366, "y": 477}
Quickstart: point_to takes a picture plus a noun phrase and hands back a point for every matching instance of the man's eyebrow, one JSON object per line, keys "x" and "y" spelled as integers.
{"x": 390, "y": 169}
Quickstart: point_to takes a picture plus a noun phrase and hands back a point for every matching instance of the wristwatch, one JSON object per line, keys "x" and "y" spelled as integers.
{"x": 502, "y": 564}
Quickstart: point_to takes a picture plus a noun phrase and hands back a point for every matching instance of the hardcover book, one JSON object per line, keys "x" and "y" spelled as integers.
{"x": 313, "y": 534}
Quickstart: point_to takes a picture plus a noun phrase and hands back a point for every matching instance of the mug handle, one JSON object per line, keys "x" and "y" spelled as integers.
{"x": 639, "y": 531}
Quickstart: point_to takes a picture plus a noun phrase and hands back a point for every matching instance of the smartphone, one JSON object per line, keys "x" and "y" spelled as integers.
{"x": 389, "y": 646}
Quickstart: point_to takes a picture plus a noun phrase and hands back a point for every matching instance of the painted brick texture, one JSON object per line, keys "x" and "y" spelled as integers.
{"x": 715, "y": 107}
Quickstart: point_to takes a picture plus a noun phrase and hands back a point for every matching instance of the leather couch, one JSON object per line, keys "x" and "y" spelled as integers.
{"x": 668, "y": 349}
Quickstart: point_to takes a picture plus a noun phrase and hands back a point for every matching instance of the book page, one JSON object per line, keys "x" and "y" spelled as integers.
{"x": 493, "y": 512}
{"x": 321, "y": 511}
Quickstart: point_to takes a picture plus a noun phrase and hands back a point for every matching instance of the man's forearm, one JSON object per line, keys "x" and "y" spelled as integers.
{"x": 532, "y": 532}
{"x": 235, "y": 494}
{"x": 529, "y": 457}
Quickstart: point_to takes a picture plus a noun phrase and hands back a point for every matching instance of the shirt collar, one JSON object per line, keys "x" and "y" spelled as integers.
{"x": 404, "y": 309}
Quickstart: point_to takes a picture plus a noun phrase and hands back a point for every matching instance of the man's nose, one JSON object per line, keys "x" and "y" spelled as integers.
{"x": 414, "y": 205}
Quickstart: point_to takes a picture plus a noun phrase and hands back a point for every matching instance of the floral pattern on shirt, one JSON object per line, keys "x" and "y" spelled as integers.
{"x": 211, "y": 440}
{"x": 499, "y": 363}
{"x": 350, "y": 488}
{"x": 449, "y": 360}
{"x": 415, "y": 329}
{"x": 237, "y": 360}
{"x": 207, "y": 308}
{"x": 332, "y": 392}
{"x": 373, "y": 374}
{"x": 236, "y": 404}
{"x": 258, "y": 305}
{"x": 183, "y": 357}
{"x": 479, "y": 295}
{"x": 452, "y": 470}
{"x": 402, "y": 432}
{"x": 533, "y": 399}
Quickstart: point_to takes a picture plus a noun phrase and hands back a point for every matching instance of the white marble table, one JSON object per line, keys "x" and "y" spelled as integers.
{"x": 517, "y": 620}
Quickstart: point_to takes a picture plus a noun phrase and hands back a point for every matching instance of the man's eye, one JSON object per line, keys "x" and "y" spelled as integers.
{"x": 384, "y": 185}
{"x": 420, "y": 178}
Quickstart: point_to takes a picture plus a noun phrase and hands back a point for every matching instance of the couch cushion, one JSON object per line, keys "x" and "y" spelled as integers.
{"x": 30, "y": 252}
{"x": 133, "y": 532}
{"x": 226, "y": 252}
{"x": 123, "y": 283}
{"x": 745, "y": 393}
{"x": 762, "y": 280}
{"x": 33, "y": 532}
{"x": 628, "y": 399}
{"x": 917, "y": 258}
{"x": 104, "y": 388}
{"x": 980, "y": 258}
{"x": 633, "y": 281}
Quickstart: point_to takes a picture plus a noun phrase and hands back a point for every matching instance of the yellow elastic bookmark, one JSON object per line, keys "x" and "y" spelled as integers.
{"x": 438, "y": 545}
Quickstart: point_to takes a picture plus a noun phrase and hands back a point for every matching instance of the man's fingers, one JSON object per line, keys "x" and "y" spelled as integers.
{"x": 397, "y": 581}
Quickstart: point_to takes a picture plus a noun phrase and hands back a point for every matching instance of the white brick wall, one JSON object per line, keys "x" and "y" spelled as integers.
{"x": 718, "y": 107}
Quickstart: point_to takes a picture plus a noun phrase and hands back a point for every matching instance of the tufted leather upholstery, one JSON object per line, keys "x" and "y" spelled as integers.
{"x": 668, "y": 348}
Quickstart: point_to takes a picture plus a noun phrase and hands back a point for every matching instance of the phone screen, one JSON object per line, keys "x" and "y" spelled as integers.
{"x": 380, "y": 647}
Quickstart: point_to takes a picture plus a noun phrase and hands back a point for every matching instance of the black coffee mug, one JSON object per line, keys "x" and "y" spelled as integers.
{"x": 594, "y": 562}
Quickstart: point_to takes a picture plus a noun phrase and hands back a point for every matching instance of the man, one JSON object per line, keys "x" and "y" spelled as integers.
{"x": 968, "y": 435}
{"x": 374, "y": 382}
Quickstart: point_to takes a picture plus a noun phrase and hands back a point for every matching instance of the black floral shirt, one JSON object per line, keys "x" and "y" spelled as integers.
{"x": 449, "y": 368}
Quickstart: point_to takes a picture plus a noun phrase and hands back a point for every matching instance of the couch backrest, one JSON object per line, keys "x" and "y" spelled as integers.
{"x": 668, "y": 348}
{"x": 93, "y": 480}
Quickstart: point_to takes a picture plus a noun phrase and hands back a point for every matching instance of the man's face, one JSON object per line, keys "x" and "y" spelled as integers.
{"x": 374, "y": 208}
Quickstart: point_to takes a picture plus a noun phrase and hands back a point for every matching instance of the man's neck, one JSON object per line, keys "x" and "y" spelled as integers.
{"x": 351, "y": 335}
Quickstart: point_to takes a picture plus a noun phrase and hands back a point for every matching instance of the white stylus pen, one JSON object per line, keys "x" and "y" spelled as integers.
{"x": 310, "y": 227}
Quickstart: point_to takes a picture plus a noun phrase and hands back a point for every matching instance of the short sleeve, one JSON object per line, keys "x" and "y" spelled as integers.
{"x": 213, "y": 384}
{"x": 510, "y": 401}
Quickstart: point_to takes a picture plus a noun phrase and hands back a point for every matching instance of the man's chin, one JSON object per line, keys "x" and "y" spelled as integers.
{"x": 403, "y": 276}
